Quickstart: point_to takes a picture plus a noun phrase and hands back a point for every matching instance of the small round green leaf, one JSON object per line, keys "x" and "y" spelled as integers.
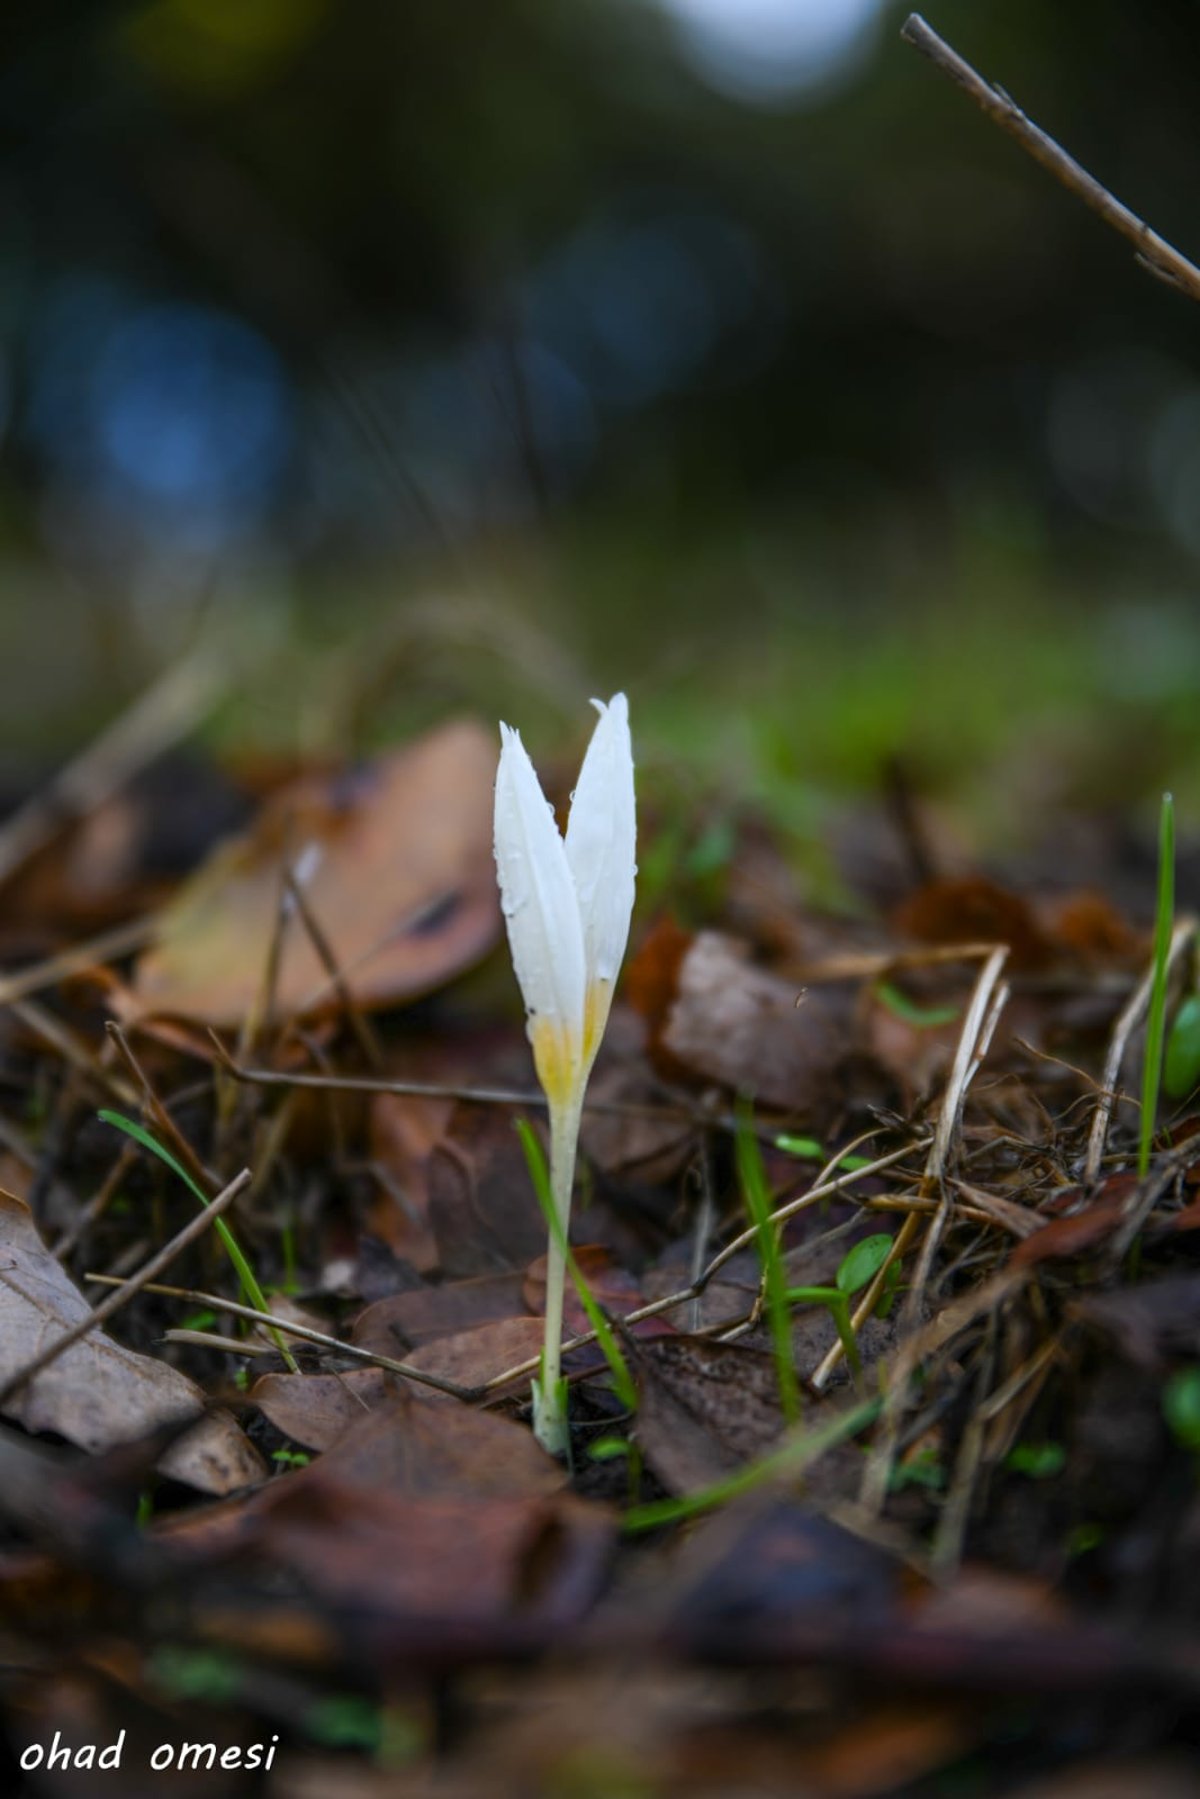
{"x": 1181, "y": 1068}
{"x": 1181, "y": 1406}
{"x": 863, "y": 1262}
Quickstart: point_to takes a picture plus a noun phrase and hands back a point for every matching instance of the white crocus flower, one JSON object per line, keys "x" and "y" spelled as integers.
{"x": 567, "y": 904}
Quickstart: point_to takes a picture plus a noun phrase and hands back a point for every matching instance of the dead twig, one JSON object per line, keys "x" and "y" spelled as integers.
{"x": 127, "y": 1288}
{"x": 485, "y": 1096}
{"x": 306, "y": 1333}
{"x": 158, "y": 1111}
{"x": 1153, "y": 251}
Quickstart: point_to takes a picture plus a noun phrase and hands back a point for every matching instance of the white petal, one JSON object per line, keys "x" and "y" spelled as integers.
{"x": 601, "y": 844}
{"x": 537, "y": 896}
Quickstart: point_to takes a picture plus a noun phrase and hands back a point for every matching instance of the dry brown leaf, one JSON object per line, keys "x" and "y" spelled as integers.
{"x": 402, "y": 1320}
{"x": 99, "y": 1393}
{"x": 1088, "y": 925}
{"x": 612, "y": 1287}
{"x": 317, "y": 1409}
{"x": 472, "y": 1357}
{"x": 438, "y": 1565}
{"x": 974, "y": 909}
{"x": 1064, "y": 1237}
{"x": 377, "y": 1433}
{"x": 404, "y": 889}
{"x": 646, "y": 1149}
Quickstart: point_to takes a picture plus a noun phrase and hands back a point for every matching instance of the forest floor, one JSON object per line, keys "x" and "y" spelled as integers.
{"x": 906, "y": 1500}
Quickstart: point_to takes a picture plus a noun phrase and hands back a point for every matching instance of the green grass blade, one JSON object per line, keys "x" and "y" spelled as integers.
{"x": 779, "y": 1317}
{"x": 1164, "y": 922}
{"x": 252, "y": 1292}
{"x": 539, "y": 1174}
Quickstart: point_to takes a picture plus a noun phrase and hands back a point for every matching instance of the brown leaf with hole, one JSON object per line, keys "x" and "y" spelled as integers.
{"x": 705, "y": 1408}
{"x": 740, "y": 1025}
{"x": 404, "y": 1131}
{"x": 482, "y": 1206}
{"x": 403, "y": 889}
{"x": 98, "y": 1393}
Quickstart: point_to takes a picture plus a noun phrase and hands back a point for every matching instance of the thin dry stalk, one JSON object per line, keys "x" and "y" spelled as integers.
{"x": 367, "y": 1041}
{"x": 98, "y": 1205}
{"x": 972, "y": 1045}
{"x": 973, "y": 1454}
{"x": 1127, "y": 1022}
{"x": 106, "y": 946}
{"x": 951, "y": 1320}
{"x": 167, "y": 711}
{"x": 73, "y": 1049}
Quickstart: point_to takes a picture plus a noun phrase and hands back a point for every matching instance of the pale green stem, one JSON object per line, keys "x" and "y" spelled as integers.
{"x": 549, "y": 1390}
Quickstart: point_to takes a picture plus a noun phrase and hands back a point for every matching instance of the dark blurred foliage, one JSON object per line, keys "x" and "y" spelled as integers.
{"x": 322, "y": 288}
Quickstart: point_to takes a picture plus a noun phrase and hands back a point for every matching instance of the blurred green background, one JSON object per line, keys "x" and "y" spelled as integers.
{"x": 500, "y": 351}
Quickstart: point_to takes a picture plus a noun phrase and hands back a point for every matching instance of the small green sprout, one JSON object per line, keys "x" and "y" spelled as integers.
{"x": 857, "y": 1269}
{"x": 807, "y": 1149}
{"x": 921, "y": 1470}
{"x": 1181, "y": 1407}
{"x": 1039, "y": 1461}
{"x": 291, "y": 1458}
{"x": 925, "y": 1018}
{"x": 1181, "y": 1066}
{"x": 609, "y": 1449}
{"x": 753, "y": 1179}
